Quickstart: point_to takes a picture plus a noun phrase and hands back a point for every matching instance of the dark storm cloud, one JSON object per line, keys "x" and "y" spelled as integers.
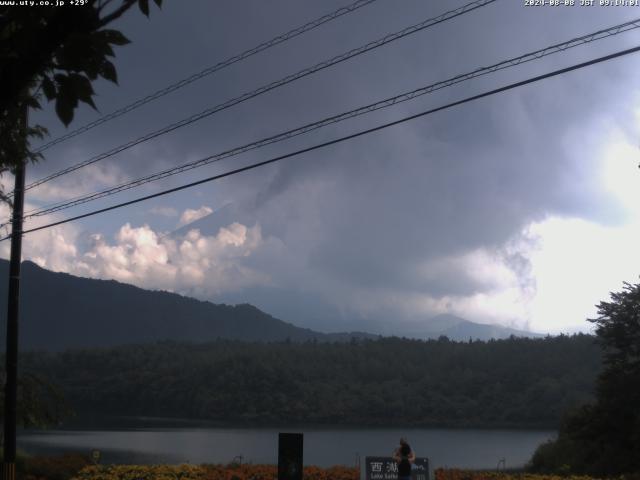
{"x": 466, "y": 179}
{"x": 373, "y": 213}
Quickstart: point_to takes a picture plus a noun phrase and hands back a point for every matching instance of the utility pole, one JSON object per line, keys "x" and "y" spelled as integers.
{"x": 11, "y": 356}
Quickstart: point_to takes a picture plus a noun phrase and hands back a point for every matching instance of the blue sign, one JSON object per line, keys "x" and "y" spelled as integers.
{"x": 386, "y": 468}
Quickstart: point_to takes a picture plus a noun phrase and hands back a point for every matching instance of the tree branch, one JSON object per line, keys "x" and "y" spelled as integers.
{"x": 126, "y": 5}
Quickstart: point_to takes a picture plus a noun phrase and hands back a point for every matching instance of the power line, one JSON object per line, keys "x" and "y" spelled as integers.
{"x": 271, "y": 86}
{"x": 600, "y": 34}
{"x": 342, "y": 139}
{"x": 535, "y": 55}
{"x": 209, "y": 70}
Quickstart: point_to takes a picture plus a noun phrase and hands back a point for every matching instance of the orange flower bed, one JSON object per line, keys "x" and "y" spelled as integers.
{"x": 270, "y": 472}
{"x": 457, "y": 474}
{"x": 207, "y": 472}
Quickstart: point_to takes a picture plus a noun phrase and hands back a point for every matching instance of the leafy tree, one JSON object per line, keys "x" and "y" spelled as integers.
{"x": 617, "y": 411}
{"x": 40, "y": 403}
{"x": 516, "y": 382}
{"x": 58, "y": 52}
{"x": 604, "y": 438}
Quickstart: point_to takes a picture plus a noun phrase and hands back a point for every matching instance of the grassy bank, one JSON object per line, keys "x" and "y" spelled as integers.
{"x": 459, "y": 474}
{"x": 79, "y": 467}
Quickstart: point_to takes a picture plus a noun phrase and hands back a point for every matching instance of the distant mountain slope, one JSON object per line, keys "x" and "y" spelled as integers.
{"x": 60, "y": 311}
{"x": 459, "y": 329}
{"x": 294, "y": 307}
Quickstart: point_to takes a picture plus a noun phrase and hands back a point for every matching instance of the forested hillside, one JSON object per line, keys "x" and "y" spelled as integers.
{"x": 59, "y": 311}
{"x": 509, "y": 383}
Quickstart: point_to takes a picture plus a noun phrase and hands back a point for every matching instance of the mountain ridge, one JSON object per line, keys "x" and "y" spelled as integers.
{"x": 460, "y": 329}
{"x": 103, "y": 313}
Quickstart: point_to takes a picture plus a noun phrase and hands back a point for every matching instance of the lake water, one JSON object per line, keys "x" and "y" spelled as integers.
{"x": 182, "y": 442}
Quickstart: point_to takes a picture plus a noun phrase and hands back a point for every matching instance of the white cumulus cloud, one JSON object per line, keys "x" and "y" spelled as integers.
{"x": 191, "y": 215}
{"x": 193, "y": 264}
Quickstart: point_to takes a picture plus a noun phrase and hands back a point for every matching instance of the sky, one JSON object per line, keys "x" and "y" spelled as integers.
{"x": 521, "y": 209}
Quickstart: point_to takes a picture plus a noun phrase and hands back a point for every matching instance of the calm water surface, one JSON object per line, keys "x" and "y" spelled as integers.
{"x": 148, "y": 442}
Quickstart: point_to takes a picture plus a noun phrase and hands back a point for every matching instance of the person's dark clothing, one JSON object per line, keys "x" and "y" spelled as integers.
{"x": 404, "y": 466}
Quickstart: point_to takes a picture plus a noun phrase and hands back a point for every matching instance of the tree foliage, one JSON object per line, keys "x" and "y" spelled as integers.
{"x": 604, "y": 438}
{"x": 510, "y": 383}
{"x": 40, "y": 404}
{"x": 55, "y": 52}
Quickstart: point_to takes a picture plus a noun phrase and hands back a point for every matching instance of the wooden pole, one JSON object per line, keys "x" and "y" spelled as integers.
{"x": 11, "y": 359}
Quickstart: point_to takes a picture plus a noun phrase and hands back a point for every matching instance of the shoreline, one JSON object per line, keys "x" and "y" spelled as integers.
{"x": 84, "y": 422}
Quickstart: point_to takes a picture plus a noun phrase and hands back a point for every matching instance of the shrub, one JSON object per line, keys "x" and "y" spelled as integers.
{"x": 59, "y": 467}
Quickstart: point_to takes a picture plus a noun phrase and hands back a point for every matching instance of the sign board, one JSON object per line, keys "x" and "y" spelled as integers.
{"x": 386, "y": 468}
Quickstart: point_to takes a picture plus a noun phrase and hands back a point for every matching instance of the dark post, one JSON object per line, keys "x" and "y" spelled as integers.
{"x": 11, "y": 359}
{"x": 290, "y": 447}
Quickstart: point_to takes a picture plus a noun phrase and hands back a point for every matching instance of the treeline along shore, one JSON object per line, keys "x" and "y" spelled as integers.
{"x": 513, "y": 383}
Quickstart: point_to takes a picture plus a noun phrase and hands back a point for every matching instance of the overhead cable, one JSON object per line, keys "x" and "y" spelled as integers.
{"x": 209, "y": 70}
{"x": 271, "y": 86}
{"x": 388, "y": 102}
{"x": 341, "y": 139}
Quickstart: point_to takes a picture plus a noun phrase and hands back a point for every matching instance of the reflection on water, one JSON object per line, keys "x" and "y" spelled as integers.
{"x": 147, "y": 441}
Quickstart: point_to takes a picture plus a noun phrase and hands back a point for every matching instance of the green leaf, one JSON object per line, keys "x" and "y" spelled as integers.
{"x": 108, "y": 71}
{"x": 144, "y": 6}
{"x": 82, "y": 89}
{"x": 75, "y": 52}
{"x": 81, "y": 84}
{"x": 37, "y": 131}
{"x": 33, "y": 103}
{"x": 69, "y": 89}
{"x": 49, "y": 88}
{"x": 89, "y": 101}
{"x": 108, "y": 51}
{"x": 114, "y": 37}
{"x": 92, "y": 70}
{"x": 64, "y": 109}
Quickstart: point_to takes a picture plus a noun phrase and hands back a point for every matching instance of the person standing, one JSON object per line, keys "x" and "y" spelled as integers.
{"x": 404, "y": 457}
